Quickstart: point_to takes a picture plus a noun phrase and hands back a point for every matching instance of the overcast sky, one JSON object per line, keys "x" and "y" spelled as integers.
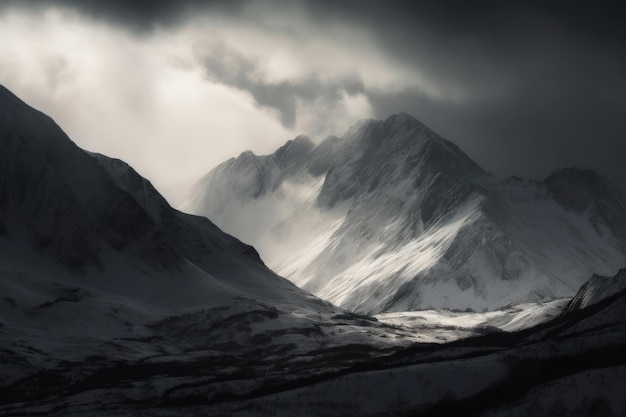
{"x": 176, "y": 87}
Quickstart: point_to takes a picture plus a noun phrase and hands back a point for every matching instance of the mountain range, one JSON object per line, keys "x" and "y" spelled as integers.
{"x": 115, "y": 304}
{"x": 392, "y": 217}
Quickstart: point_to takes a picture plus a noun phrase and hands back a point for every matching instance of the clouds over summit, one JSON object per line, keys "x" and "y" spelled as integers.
{"x": 524, "y": 87}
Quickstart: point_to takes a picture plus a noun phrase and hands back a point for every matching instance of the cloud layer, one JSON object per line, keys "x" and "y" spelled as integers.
{"x": 176, "y": 87}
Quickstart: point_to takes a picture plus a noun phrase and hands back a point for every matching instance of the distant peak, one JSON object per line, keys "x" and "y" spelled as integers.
{"x": 584, "y": 179}
{"x": 396, "y": 123}
{"x": 402, "y": 116}
{"x": 246, "y": 155}
{"x": 402, "y": 119}
{"x": 294, "y": 149}
{"x": 301, "y": 143}
{"x": 303, "y": 140}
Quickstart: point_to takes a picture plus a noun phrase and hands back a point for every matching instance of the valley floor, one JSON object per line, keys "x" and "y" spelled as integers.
{"x": 490, "y": 364}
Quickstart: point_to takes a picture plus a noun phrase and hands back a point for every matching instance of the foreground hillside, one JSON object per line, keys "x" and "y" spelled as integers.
{"x": 570, "y": 365}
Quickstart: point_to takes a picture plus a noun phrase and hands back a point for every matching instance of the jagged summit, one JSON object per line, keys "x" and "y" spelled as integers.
{"x": 294, "y": 151}
{"x": 395, "y": 122}
{"x": 303, "y": 140}
{"x": 402, "y": 122}
{"x": 391, "y": 216}
{"x": 402, "y": 117}
{"x": 395, "y": 127}
{"x": 367, "y": 152}
{"x": 379, "y": 153}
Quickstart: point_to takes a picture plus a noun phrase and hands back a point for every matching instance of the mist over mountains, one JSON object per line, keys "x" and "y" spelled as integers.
{"x": 392, "y": 217}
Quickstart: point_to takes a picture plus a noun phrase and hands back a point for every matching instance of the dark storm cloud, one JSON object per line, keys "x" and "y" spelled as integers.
{"x": 563, "y": 101}
{"x": 478, "y": 18}
{"x": 526, "y": 86}
{"x": 136, "y": 14}
{"x": 545, "y": 82}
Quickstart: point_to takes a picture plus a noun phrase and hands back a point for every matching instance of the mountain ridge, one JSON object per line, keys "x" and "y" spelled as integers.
{"x": 598, "y": 289}
{"x": 395, "y": 211}
{"x": 83, "y": 209}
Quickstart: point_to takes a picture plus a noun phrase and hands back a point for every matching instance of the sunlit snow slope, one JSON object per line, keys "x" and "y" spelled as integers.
{"x": 392, "y": 217}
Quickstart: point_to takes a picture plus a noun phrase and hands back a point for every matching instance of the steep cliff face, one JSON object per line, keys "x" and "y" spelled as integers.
{"x": 392, "y": 217}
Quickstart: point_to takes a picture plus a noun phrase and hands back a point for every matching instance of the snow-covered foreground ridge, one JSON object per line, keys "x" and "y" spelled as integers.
{"x": 392, "y": 217}
{"x": 254, "y": 361}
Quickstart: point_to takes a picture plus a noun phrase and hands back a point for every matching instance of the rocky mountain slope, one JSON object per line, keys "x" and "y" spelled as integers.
{"x": 392, "y": 217}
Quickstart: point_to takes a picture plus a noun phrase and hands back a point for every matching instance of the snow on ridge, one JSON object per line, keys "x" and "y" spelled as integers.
{"x": 389, "y": 188}
{"x": 598, "y": 288}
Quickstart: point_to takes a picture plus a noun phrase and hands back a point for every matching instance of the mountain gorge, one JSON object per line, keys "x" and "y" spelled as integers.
{"x": 392, "y": 217}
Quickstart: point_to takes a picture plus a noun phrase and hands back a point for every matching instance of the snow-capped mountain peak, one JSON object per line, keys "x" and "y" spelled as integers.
{"x": 391, "y": 216}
